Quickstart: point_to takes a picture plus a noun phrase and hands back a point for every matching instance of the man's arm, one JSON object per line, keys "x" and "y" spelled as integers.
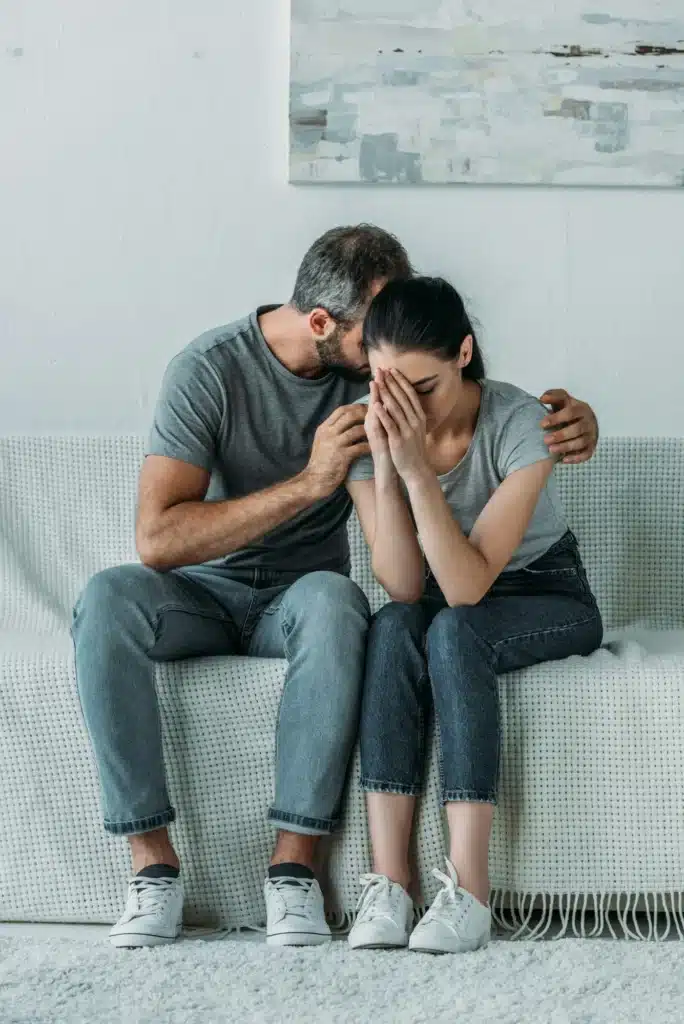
{"x": 572, "y": 427}
{"x": 176, "y": 526}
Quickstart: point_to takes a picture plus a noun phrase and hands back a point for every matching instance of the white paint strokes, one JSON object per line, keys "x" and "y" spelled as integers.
{"x": 489, "y": 92}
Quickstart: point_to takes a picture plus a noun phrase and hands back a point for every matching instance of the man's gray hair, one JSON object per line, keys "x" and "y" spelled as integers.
{"x": 342, "y": 266}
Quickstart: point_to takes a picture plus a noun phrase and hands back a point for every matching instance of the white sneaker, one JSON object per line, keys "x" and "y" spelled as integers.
{"x": 153, "y": 914}
{"x": 384, "y": 917}
{"x": 295, "y": 915}
{"x": 455, "y": 923}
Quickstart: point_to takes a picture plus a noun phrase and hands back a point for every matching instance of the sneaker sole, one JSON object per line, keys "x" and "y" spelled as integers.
{"x": 297, "y": 939}
{"x": 136, "y": 940}
{"x": 446, "y": 952}
{"x": 379, "y": 945}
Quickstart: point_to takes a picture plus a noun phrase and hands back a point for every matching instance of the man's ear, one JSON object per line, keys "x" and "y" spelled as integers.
{"x": 321, "y": 323}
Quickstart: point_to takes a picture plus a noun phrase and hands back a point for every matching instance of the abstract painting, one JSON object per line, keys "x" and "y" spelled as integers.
{"x": 573, "y": 92}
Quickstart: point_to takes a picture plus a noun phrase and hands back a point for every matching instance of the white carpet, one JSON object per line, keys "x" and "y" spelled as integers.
{"x": 62, "y": 981}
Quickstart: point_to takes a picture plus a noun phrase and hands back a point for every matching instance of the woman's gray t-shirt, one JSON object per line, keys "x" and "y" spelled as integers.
{"x": 507, "y": 437}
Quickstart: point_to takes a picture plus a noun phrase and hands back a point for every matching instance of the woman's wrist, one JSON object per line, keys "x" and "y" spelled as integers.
{"x": 385, "y": 471}
{"x": 419, "y": 479}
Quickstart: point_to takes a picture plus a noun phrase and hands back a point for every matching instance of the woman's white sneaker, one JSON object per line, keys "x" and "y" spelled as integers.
{"x": 455, "y": 923}
{"x": 384, "y": 915}
{"x": 153, "y": 914}
{"x": 295, "y": 913}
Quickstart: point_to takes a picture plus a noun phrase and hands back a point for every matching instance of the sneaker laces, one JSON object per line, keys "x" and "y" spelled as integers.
{"x": 448, "y": 900}
{"x": 294, "y": 893}
{"x": 151, "y": 894}
{"x": 376, "y": 898}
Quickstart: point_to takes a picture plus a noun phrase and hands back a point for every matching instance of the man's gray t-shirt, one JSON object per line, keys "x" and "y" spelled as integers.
{"x": 507, "y": 437}
{"x": 229, "y": 406}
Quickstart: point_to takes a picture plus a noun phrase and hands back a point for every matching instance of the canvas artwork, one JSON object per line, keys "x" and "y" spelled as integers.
{"x": 574, "y": 92}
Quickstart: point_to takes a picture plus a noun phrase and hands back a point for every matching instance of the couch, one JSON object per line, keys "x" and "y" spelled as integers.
{"x": 591, "y": 812}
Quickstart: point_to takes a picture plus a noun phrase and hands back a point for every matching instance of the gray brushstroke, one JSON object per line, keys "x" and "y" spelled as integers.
{"x": 608, "y": 19}
{"x": 579, "y": 110}
{"x": 380, "y": 159}
{"x": 490, "y": 108}
{"x": 611, "y": 126}
{"x": 628, "y": 77}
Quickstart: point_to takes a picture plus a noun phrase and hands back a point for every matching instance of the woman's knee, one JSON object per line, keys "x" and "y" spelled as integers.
{"x": 454, "y": 628}
{"x": 395, "y": 620}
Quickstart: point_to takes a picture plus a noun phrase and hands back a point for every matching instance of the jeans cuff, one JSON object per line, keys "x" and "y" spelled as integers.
{"x": 469, "y": 796}
{"x": 398, "y": 788}
{"x": 299, "y": 823}
{"x": 138, "y": 825}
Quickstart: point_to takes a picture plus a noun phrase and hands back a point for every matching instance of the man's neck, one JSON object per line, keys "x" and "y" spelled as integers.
{"x": 286, "y": 333}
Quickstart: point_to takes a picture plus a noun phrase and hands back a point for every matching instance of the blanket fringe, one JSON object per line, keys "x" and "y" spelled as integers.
{"x": 644, "y": 917}
{"x": 647, "y": 916}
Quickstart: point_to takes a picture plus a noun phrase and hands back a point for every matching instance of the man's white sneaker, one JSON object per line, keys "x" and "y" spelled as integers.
{"x": 295, "y": 915}
{"x": 153, "y": 914}
{"x": 455, "y": 923}
{"x": 384, "y": 915}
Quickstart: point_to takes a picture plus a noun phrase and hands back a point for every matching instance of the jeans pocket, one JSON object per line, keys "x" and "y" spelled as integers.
{"x": 562, "y": 560}
{"x": 558, "y": 571}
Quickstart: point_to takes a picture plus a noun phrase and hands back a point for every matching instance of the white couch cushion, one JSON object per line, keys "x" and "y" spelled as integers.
{"x": 593, "y": 753}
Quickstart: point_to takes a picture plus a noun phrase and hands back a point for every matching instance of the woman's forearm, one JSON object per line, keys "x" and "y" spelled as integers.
{"x": 396, "y": 556}
{"x": 460, "y": 570}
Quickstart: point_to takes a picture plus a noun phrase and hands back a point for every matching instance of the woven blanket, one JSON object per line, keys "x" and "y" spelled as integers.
{"x": 590, "y": 814}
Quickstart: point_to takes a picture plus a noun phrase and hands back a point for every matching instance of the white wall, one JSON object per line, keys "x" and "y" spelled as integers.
{"x": 143, "y": 198}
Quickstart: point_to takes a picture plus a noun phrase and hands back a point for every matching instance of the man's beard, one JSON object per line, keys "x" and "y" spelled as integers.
{"x": 332, "y": 359}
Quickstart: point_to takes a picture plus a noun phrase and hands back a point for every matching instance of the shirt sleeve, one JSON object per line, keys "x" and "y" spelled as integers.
{"x": 523, "y": 441}
{"x": 189, "y": 412}
{"x": 363, "y": 468}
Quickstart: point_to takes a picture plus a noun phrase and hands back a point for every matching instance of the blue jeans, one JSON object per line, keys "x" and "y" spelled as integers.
{"x": 428, "y": 656}
{"x": 131, "y": 616}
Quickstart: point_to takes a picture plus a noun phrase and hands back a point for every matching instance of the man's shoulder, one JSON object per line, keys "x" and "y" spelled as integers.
{"x": 220, "y": 342}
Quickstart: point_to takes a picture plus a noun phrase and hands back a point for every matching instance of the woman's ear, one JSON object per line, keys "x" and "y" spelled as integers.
{"x": 466, "y": 353}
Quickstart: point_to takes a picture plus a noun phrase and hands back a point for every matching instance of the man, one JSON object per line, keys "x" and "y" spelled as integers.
{"x": 241, "y": 534}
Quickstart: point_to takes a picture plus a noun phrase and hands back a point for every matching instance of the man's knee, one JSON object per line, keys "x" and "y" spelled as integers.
{"x": 108, "y": 589}
{"x": 327, "y": 597}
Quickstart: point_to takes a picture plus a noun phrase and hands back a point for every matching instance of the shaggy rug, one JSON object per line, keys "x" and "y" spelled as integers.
{"x": 64, "y": 981}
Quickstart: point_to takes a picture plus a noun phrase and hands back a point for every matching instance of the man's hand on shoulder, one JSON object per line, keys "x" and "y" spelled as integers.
{"x": 338, "y": 442}
{"x": 572, "y": 427}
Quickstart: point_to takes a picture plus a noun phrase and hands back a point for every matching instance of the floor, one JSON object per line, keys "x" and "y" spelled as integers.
{"x": 99, "y": 932}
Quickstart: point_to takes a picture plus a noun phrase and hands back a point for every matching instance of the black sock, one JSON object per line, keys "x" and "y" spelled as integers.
{"x": 290, "y": 871}
{"x": 159, "y": 871}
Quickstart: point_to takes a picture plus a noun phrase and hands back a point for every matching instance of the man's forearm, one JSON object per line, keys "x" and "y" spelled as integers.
{"x": 198, "y": 531}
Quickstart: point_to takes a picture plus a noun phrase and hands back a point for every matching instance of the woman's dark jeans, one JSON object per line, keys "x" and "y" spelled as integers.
{"x": 427, "y": 654}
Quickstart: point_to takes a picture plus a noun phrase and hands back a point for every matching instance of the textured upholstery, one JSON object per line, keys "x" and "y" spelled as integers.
{"x": 593, "y": 758}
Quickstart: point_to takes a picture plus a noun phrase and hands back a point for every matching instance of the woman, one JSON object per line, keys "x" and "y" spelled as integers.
{"x": 468, "y": 537}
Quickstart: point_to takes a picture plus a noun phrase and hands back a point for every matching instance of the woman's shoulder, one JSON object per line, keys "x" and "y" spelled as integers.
{"x": 513, "y": 426}
{"x": 503, "y": 395}
{"x": 506, "y": 403}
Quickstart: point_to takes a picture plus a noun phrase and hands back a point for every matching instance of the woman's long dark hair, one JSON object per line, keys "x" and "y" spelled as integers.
{"x": 422, "y": 314}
